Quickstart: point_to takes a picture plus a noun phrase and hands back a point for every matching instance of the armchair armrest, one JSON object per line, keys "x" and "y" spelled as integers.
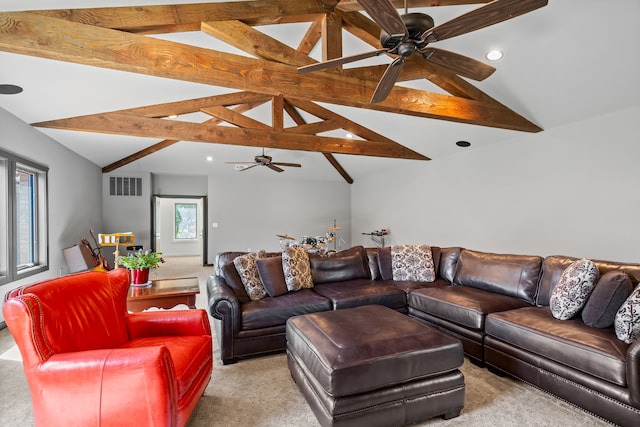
{"x": 633, "y": 373}
{"x": 100, "y": 387}
{"x": 168, "y": 323}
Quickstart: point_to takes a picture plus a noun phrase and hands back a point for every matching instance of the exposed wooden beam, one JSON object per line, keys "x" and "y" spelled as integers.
{"x": 168, "y": 142}
{"x": 277, "y": 113}
{"x": 41, "y": 36}
{"x": 187, "y": 17}
{"x": 331, "y": 37}
{"x": 334, "y": 162}
{"x": 234, "y": 118}
{"x": 139, "y": 155}
{"x": 311, "y": 37}
{"x": 297, "y": 117}
{"x": 125, "y": 124}
{"x": 254, "y": 42}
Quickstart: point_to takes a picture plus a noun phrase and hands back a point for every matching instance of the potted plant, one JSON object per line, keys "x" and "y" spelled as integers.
{"x": 140, "y": 262}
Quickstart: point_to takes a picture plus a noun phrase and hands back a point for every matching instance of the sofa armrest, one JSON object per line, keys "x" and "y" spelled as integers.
{"x": 168, "y": 323}
{"x": 633, "y": 373}
{"x": 97, "y": 387}
{"x": 223, "y": 303}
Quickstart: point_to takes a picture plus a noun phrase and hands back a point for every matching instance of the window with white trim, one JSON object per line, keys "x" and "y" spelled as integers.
{"x": 23, "y": 218}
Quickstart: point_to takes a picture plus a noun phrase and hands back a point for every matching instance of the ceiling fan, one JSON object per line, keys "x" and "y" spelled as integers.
{"x": 265, "y": 161}
{"x": 404, "y": 35}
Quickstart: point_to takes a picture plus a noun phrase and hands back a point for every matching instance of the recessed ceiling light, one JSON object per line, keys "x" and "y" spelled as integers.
{"x": 10, "y": 89}
{"x": 209, "y": 158}
{"x": 494, "y": 55}
{"x": 173, "y": 116}
{"x": 349, "y": 135}
{"x": 463, "y": 144}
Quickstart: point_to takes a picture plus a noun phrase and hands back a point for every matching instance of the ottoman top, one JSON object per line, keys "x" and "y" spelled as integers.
{"x": 365, "y": 348}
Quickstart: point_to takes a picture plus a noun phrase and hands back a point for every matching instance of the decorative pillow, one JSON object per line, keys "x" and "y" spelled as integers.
{"x": 272, "y": 275}
{"x": 607, "y": 296}
{"x": 573, "y": 289}
{"x": 248, "y": 271}
{"x": 627, "y": 321}
{"x": 297, "y": 269}
{"x": 412, "y": 262}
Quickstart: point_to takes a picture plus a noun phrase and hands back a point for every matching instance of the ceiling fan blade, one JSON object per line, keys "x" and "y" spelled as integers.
{"x": 239, "y": 163}
{"x": 459, "y": 64}
{"x": 249, "y": 167}
{"x": 388, "y": 80}
{"x": 275, "y": 168}
{"x": 293, "y": 165}
{"x": 339, "y": 61}
{"x": 491, "y": 13}
{"x": 384, "y": 13}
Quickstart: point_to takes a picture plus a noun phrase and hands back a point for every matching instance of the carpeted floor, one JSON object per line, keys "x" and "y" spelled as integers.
{"x": 260, "y": 391}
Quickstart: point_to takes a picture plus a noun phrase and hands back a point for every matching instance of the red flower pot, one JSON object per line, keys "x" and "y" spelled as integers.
{"x": 140, "y": 277}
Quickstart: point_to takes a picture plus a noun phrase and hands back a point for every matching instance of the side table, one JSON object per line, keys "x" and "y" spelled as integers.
{"x": 164, "y": 293}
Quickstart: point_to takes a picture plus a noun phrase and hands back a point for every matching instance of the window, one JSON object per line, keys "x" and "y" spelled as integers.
{"x": 23, "y": 218}
{"x": 186, "y": 216}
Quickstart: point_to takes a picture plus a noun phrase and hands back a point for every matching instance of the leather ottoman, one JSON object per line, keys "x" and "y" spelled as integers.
{"x": 372, "y": 366}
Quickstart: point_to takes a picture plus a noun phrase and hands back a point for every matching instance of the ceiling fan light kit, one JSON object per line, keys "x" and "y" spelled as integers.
{"x": 404, "y": 35}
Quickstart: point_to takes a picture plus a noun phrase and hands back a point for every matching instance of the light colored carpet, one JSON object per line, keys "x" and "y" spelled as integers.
{"x": 260, "y": 392}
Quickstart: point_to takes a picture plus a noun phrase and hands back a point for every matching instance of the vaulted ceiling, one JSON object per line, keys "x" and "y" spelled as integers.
{"x": 240, "y": 59}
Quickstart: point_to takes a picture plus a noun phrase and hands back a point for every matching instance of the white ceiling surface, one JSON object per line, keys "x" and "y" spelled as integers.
{"x": 566, "y": 62}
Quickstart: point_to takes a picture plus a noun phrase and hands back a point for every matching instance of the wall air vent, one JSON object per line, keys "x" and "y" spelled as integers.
{"x": 123, "y": 186}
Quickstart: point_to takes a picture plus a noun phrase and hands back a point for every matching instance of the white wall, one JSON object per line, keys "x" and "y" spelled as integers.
{"x": 75, "y": 204}
{"x": 251, "y": 211}
{"x": 572, "y": 190}
{"x": 124, "y": 214}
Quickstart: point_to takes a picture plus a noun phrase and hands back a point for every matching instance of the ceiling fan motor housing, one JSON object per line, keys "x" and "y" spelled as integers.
{"x": 416, "y": 23}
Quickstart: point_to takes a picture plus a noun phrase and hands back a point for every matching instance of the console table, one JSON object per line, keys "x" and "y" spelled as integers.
{"x": 164, "y": 293}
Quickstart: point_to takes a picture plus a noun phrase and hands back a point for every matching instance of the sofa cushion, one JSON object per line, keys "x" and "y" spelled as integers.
{"x": 627, "y": 320}
{"x": 596, "y": 352}
{"x": 573, "y": 289}
{"x": 511, "y": 275}
{"x": 409, "y": 285}
{"x": 462, "y": 305}
{"x": 248, "y": 271}
{"x": 554, "y": 265}
{"x": 374, "y": 268}
{"x": 233, "y": 280}
{"x": 611, "y": 290}
{"x": 448, "y": 263}
{"x": 270, "y": 311}
{"x": 354, "y": 293}
{"x": 412, "y": 262}
{"x": 297, "y": 269}
{"x": 384, "y": 263}
{"x": 272, "y": 275}
{"x": 349, "y": 264}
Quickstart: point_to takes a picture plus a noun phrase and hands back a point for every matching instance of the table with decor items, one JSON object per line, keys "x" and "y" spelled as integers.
{"x": 164, "y": 293}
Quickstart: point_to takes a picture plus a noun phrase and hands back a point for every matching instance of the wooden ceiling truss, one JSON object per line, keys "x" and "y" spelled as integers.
{"x": 118, "y": 38}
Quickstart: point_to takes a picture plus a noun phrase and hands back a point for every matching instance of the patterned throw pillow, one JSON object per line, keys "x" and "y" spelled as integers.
{"x": 573, "y": 289}
{"x": 297, "y": 269}
{"x": 248, "y": 271}
{"x": 627, "y": 321}
{"x": 412, "y": 262}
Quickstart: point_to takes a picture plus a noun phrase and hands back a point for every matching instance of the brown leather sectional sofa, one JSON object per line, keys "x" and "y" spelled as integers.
{"x": 496, "y": 304}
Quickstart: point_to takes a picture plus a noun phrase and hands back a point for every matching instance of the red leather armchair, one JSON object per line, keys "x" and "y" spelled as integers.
{"x": 91, "y": 363}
